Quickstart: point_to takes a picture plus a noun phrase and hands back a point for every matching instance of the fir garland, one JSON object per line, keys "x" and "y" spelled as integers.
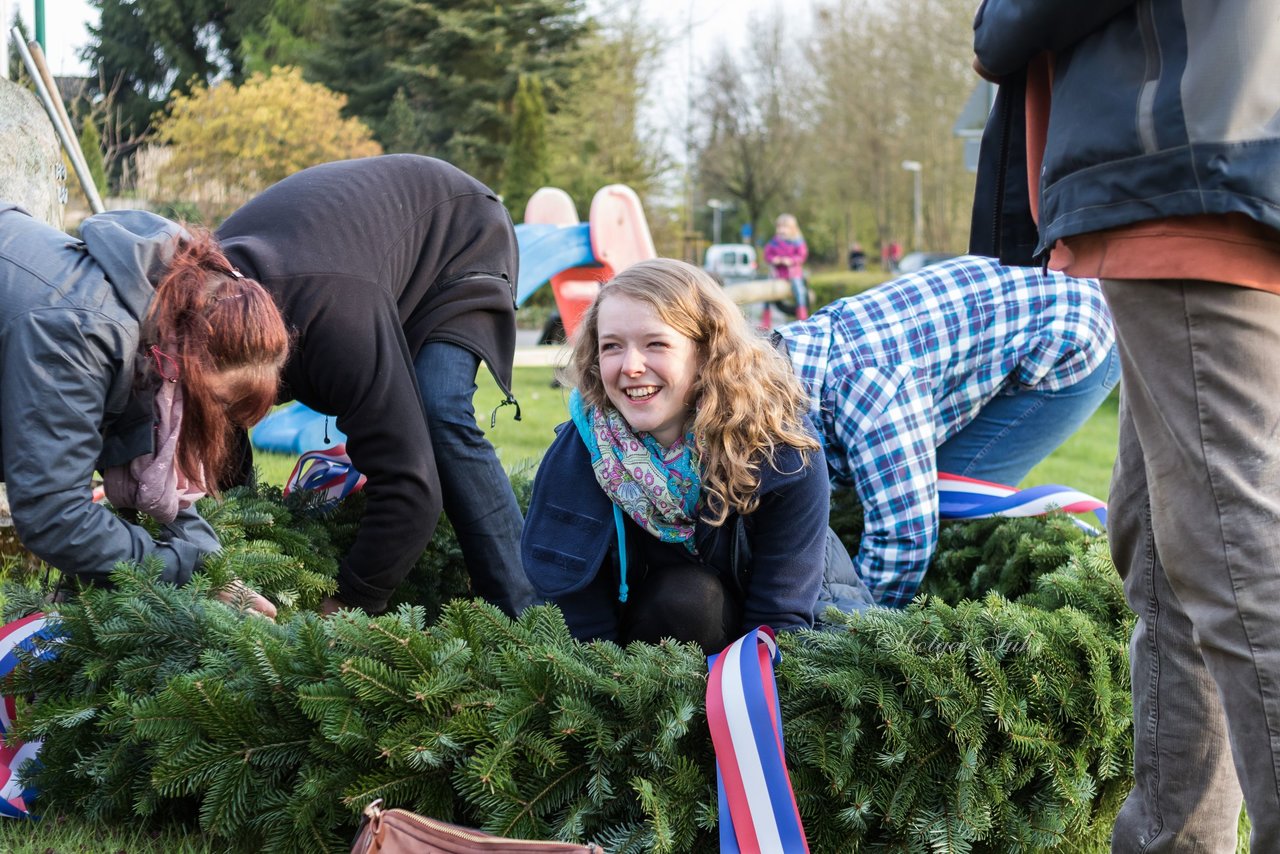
{"x": 993, "y": 715}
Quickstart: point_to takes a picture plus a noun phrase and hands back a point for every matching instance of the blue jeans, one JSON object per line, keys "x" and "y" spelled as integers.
{"x": 476, "y": 491}
{"x": 800, "y": 294}
{"x": 1020, "y": 426}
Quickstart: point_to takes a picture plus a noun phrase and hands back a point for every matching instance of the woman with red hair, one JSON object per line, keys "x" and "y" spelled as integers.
{"x": 134, "y": 351}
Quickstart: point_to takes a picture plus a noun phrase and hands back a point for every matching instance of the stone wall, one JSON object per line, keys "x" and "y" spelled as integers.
{"x": 33, "y": 175}
{"x": 31, "y": 166}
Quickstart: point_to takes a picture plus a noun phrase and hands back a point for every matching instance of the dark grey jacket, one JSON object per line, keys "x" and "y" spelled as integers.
{"x": 1160, "y": 107}
{"x": 70, "y": 315}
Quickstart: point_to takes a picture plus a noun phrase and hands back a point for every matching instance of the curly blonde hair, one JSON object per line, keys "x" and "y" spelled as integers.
{"x": 748, "y": 402}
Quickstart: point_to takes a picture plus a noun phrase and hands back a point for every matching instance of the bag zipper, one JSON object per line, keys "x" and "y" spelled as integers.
{"x": 374, "y": 812}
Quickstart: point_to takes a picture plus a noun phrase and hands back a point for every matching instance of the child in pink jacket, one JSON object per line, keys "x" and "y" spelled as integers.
{"x": 787, "y": 252}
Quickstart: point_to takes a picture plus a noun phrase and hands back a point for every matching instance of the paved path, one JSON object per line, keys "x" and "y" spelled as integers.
{"x": 529, "y": 354}
{"x": 534, "y": 356}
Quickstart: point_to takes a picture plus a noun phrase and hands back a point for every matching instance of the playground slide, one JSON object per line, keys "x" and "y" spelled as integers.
{"x": 619, "y": 231}
{"x": 575, "y": 287}
{"x": 548, "y": 250}
{"x": 618, "y": 234}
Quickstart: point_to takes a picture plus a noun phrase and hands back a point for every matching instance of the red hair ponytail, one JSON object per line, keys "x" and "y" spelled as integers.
{"x": 219, "y": 328}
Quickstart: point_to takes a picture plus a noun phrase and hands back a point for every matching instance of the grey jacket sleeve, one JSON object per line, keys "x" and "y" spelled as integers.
{"x": 1008, "y": 33}
{"x": 60, "y": 365}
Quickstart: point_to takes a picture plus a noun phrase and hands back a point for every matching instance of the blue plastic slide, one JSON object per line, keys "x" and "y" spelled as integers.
{"x": 546, "y": 250}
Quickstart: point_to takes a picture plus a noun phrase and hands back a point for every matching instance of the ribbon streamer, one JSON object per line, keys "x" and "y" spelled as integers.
{"x": 967, "y": 498}
{"x": 328, "y": 471}
{"x": 35, "y": 633}
{"x": 758, "y": 811}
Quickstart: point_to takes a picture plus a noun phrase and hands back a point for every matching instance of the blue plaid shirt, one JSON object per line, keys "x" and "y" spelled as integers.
{"x": 894, "y": 372}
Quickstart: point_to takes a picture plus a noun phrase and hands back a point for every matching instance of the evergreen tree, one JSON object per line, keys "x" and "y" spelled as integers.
{"x": 17, "y": 71}
{"x": 526, "y": 168}
{"x": 400, "y": 133}
{"x": 145, "y": 50}
{"x": 288, "y": 34}
{"x": 458, "y": 62}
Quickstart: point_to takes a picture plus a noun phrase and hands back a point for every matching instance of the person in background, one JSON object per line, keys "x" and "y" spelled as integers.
{"x": 398, "y": 275}
{"x": 966, "y": 367}
{"x": 1141, "y": 143}
{"x": 133, "y": 351}
{"x": 857, "y": 256}
{"x": 894, "y": 256}
{"x": 709, "y": 512}
{"x": 786, "y": 251}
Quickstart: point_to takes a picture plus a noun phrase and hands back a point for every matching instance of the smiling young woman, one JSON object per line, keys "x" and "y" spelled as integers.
{"x": 710, "y": 516}
{"x": 647, "y": 368}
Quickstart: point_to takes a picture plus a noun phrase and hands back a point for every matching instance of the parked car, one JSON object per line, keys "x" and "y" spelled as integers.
{"x": 913, "y": 261}
{"x": 730, "y": 262}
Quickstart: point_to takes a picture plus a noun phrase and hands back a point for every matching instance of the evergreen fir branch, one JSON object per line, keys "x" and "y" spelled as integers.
{"x": 523, "y": 823}
{"x": 386, "y": 786}
{"x": 374, "y": 682}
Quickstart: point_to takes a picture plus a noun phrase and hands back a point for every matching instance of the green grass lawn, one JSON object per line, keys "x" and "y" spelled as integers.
{"x": 63, "y": 835}
{"x": 1084, "y": 461}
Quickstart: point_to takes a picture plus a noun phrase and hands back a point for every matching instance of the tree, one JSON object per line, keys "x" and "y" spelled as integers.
{"x": 399, "y": 132}
{"x": 526, "y": 166}
{"x": 287, "y": 34}
{"x": 146, "y": 49}
{"x": 17, "y": 71}
{"x": 458, "y": 62}
{"x": 753, "y": 127}
{"x": 242, "y": 139}
{"x": 91, "y": 146}
{"x": 881, "y": 97}
{"x": 596, "y": 137}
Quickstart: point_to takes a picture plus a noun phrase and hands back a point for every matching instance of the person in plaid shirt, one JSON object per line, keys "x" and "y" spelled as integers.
{"x": 967, "y": 367}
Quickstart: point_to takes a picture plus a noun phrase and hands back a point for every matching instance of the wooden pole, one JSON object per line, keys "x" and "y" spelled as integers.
{"x": 758, "y": 290}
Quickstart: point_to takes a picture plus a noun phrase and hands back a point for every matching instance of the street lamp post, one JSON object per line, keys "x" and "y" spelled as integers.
{"x": 717, "y": 207}
{"x": 917, "y": 236}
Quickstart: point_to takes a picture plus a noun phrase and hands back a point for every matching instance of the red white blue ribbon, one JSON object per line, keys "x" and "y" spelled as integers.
{"x": 27, "y": 634}
{"x": 966, "y": 498}
{"x": 758, "y": 812}
{"x": 328, "y": 471}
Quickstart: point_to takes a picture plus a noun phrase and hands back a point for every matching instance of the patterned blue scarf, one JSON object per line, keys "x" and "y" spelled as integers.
{"x": 657, "y": 487}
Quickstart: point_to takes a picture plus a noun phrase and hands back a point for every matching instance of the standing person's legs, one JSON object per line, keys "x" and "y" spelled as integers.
{"x": 477, "y": 492}
{"x": 1185, "y": 792}
{"x": 1203, "y": 396}
{"x": 1019, "y": 427}
{"x": 800, "y": 293}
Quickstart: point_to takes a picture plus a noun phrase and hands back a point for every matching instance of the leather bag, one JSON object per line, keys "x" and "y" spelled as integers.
{"x": 397, "y": 831}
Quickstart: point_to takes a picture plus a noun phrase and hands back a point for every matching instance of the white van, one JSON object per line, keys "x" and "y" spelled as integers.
{"x": 730, "y": 262}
